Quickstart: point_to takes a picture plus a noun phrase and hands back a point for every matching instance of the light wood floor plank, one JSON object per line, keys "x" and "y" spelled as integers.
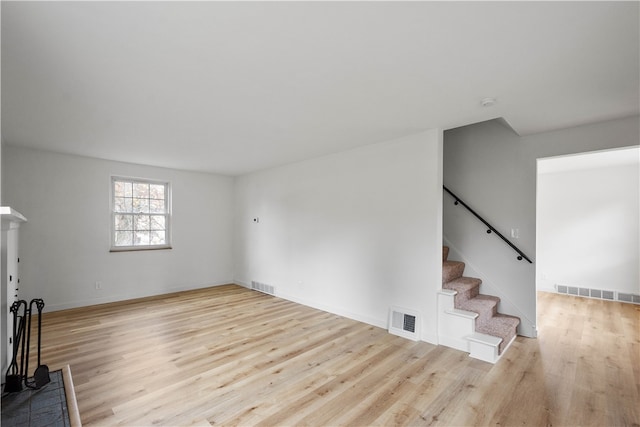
{"x": 230, "y": 356}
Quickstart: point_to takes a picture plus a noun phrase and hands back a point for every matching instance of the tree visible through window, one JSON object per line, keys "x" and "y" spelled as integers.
{"x": 140, "y": 214}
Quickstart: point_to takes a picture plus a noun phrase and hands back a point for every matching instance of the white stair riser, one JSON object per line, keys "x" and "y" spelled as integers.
{"x": 487, "y": 353}
{"x": 456, "y": 327}
{"x": 453, "y": 328}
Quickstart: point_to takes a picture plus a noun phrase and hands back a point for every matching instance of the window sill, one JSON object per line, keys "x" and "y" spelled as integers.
{"x": 139, "y": 248}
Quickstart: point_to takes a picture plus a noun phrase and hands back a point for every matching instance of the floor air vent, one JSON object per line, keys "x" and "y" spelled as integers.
{"x": 404, "y": 323}
{"x": 599, "y": 294}
{"x": 262, "y": 287}
{"x": 633, "y": 298}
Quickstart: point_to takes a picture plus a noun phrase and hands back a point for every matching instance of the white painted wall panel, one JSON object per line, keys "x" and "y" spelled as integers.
{"x": 65, "y": 244}
{"x": 588, "y": 227}
{"x": 351, "y": 233}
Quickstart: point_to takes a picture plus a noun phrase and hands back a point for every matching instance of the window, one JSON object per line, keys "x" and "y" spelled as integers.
{"x": 140, "y": 214}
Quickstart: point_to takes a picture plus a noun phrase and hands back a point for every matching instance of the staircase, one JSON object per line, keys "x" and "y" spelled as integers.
{"x": 469, "y": 320}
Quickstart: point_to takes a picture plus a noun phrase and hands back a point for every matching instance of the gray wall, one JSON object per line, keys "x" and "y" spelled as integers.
{"x": 65, "y": 244}
{"x": 494, "y": 170}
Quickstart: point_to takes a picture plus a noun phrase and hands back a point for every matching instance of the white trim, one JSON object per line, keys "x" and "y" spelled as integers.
{"x": 462, "y": 313}
{"x": 131, "y": 296}
{"x": 329, "y": 309}
{"x": 139, "y": 248}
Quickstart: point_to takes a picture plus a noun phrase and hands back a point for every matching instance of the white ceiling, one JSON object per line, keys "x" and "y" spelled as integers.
{"x": 242, "y": 86}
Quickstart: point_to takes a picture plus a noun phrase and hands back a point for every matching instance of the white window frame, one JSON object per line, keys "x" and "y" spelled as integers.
{"x": 166, "y": 214}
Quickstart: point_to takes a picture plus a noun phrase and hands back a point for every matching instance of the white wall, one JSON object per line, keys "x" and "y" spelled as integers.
{"x": 588, "y": 225}
{"x": 2, "y": 291}
{"x": 494, "y": 170}
{"x": 1, "y": 138}
{"x": 65, "y": 245}
{"x": 351, "y": 233}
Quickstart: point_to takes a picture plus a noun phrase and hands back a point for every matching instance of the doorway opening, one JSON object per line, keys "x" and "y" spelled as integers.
{"x": 588, "y": 224}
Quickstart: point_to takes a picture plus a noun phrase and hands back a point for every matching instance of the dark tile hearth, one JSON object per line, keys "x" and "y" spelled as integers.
{"x": 36, "y": 408}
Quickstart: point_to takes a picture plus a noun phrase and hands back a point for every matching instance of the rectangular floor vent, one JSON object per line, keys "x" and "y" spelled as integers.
{"x": 262, "y": 287}
{"x": 598, "y": 293}
{"x": 632, "y": 298}
{"x": 404, "y": 323}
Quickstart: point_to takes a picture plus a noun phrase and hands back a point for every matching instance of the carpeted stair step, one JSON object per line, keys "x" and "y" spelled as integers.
{"x": 451, "y": 270}
{"x": 485, "y": 305}
{"x": 468, "y": 298}
{"x": 466, "y": 288}
{"x": 500, "y": 325}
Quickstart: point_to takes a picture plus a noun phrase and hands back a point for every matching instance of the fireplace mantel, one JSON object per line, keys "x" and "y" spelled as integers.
{"x": 10, "y": 215}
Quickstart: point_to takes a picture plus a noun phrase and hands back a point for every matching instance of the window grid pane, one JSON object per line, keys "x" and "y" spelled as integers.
{"x": 124, "y": 238}
{"x": 141, "y": 190}
{"x": 141, "y": 216}
{"x": 156, "y": 191}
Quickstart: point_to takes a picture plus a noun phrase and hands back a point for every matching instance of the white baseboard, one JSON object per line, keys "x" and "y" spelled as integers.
{"x": 461, "y": 344}
{"x": 128, "y": 296}
{"x": 380, "y": 323}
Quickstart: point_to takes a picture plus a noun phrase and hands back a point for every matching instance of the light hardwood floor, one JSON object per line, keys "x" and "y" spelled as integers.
{"x": 231, "y": 356}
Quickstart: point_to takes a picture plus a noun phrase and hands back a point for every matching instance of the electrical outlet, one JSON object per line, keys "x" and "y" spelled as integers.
{"x": 98, "y": 286}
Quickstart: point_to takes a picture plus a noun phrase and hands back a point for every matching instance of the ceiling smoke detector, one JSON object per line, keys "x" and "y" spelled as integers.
{"x": 488, "y": 102}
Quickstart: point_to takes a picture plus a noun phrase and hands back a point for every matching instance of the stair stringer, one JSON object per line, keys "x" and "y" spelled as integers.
{"x": 454, "y": 325}
{"x": 527, "y": 327}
